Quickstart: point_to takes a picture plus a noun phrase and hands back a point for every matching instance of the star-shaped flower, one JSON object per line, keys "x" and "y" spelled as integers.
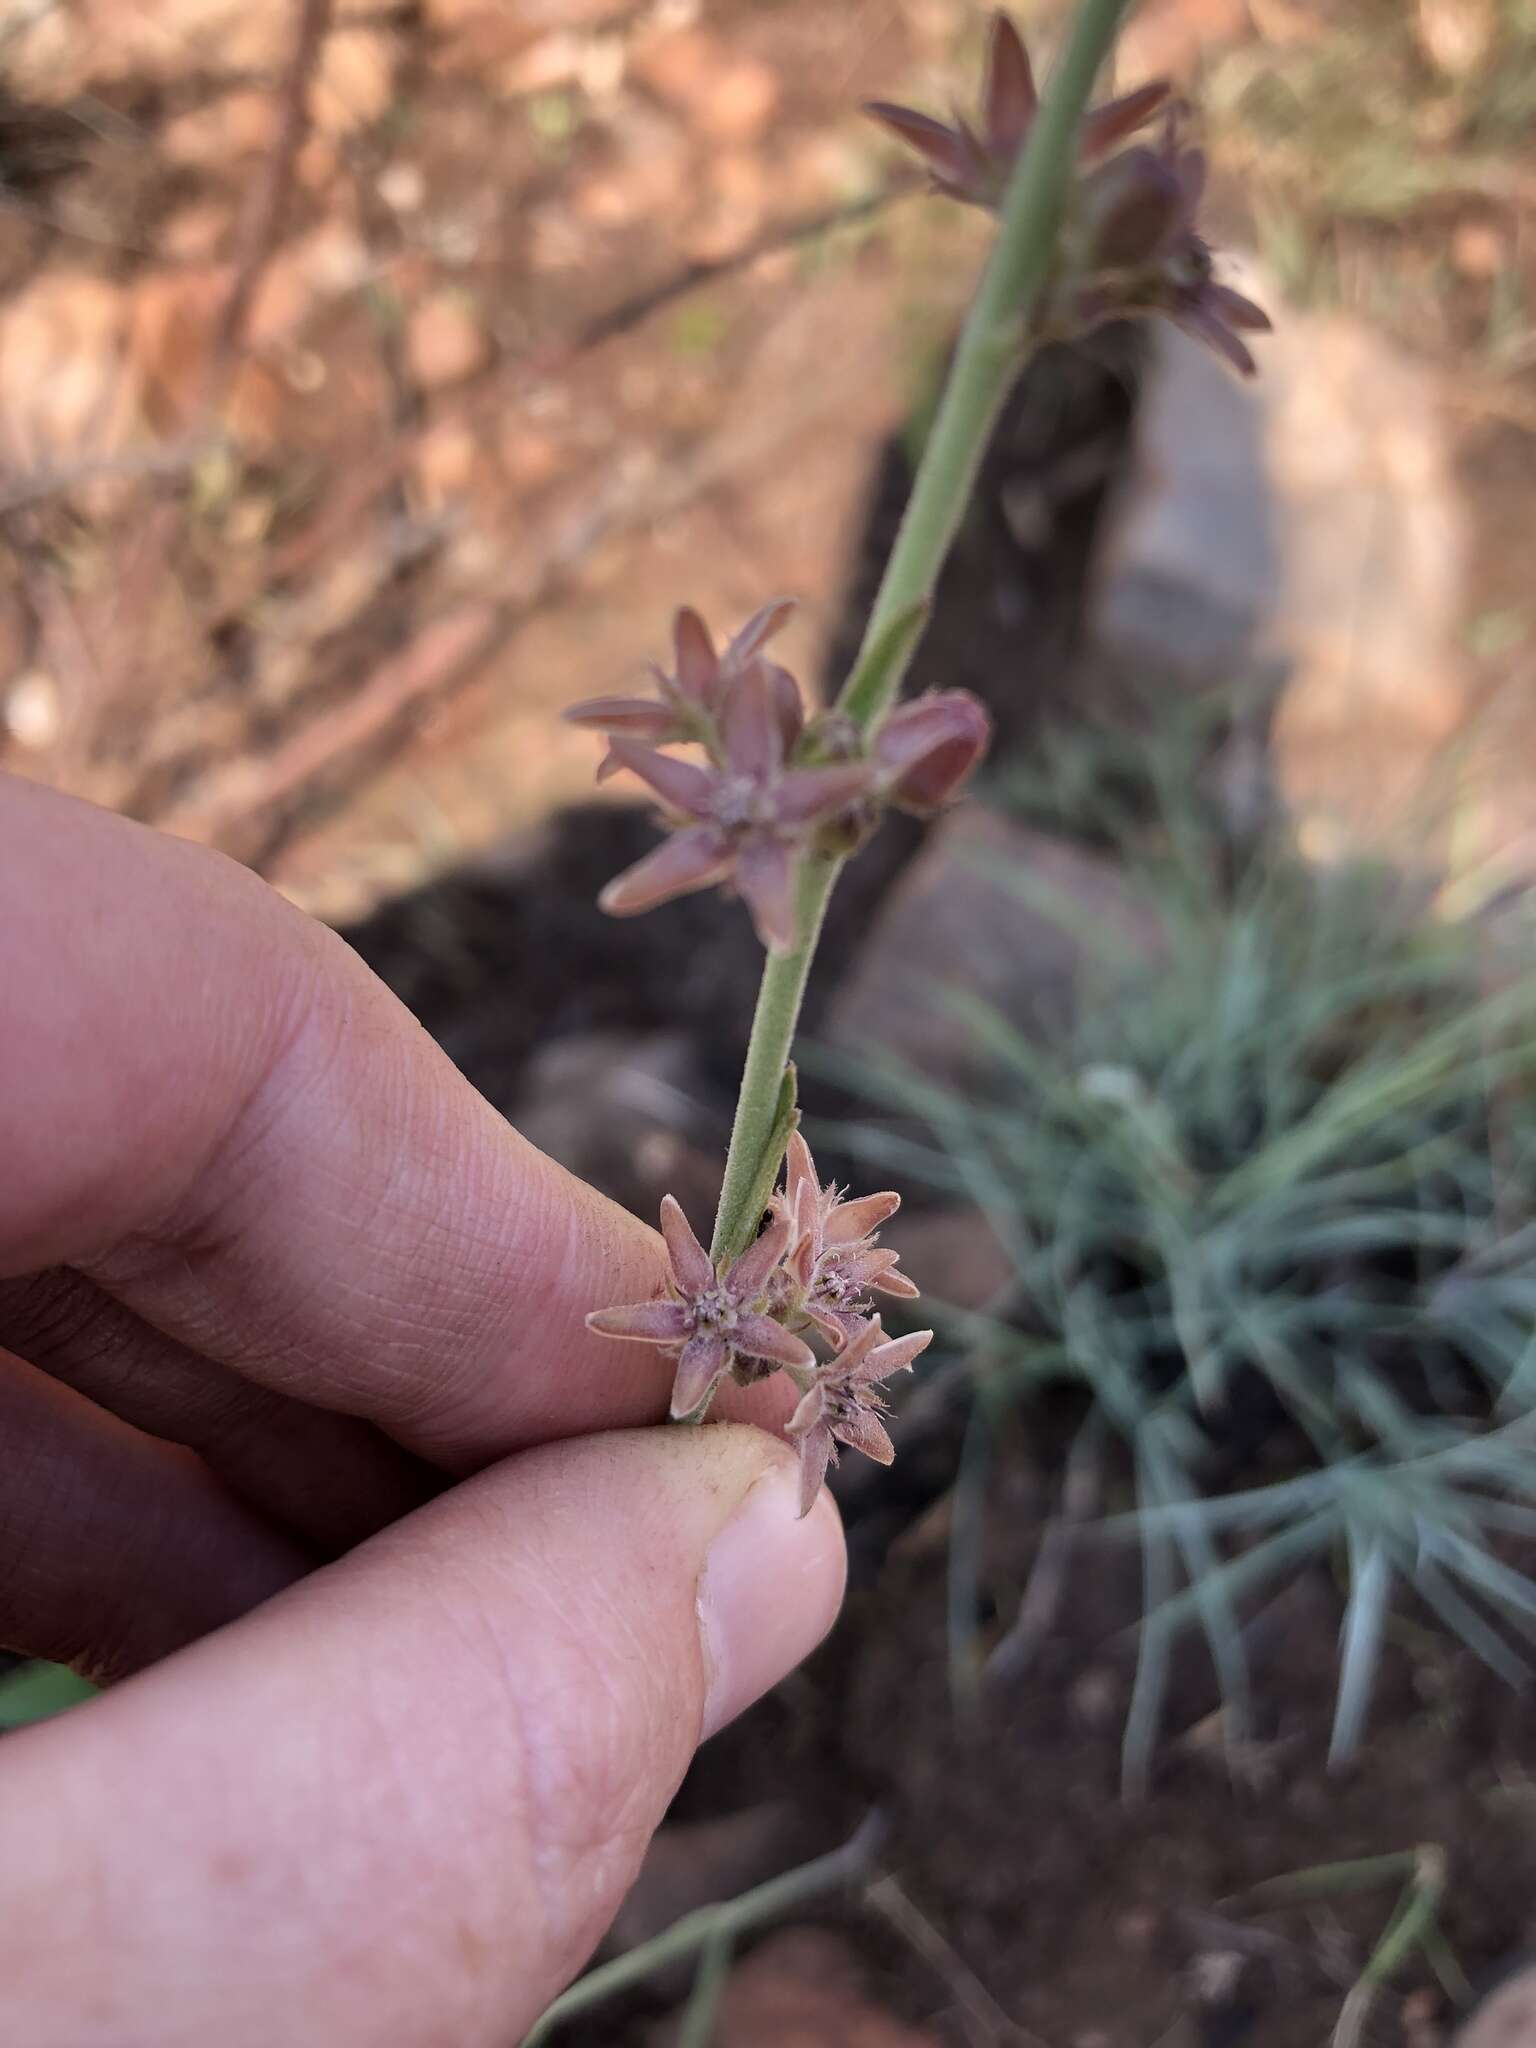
{"x": 834, "y": 1257}
{"x": 692, "y": 697}
{"x": 843, "y": 1407}
{"x": 1143, "y": 252}
{"x": 713, "y": 1320}
{"x": 745, "y": 817}
{"x": 974, "y": 165}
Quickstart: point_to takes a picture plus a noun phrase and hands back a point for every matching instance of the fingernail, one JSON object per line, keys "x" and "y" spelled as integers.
{"x": 770, "y": 1590}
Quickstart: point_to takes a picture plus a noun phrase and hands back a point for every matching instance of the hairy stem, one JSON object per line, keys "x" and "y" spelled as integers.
{"x": 992, "y": 348}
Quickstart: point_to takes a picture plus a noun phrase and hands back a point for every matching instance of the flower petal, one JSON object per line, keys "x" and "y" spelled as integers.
{"x": 686, "y": 860}
{"x": 698, "y": 667}
{"x": 757, "y": 632}
{"x": 762, "y": 1337}
{"x": 754, "y": 741}
{"x": 766, "y": 878}
{"x": 1113, "y": 122}
{"x": 896, "y": 1355}
{"x": 1233, "y": 310}
{"x": 649, "y": 1322}
{"x": 682, "y": 784}
{"x": 692, "y": 1267}
{"x": 862, "y": 1339}
{"x": 867, "y": 1433}
{"x": 950, "y": 153}
{"x": 808, "y": 1411}
{"x": 755, "y": 1267}
{"x": 804, "y": 796}
{"x": 815, "y": 1453}
{"x": 1208, "y": 327}
{"x": 704, "y": 1360}
{"x": 1009, "y": 99}
{"x": 849, "y": 1221}
{"x": 788, "y": 704}
{"x": 926, "y": 750}
{"x": 641, "y": 716}
{"x": 799, "y": 1172}
{"x": 840, "y": 1324}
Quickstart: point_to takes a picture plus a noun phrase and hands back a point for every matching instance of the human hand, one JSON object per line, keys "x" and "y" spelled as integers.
{"x": 272, "y": 1276}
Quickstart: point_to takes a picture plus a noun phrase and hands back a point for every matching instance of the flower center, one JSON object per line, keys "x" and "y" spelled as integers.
{"x": 715, "y": 1310}
{"x": 740, "y": 800}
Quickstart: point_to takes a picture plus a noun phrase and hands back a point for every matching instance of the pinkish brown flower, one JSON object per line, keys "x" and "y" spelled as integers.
{"x": 842, "y": 1405}
{"x": 692, "y": 697}
{"x": 975, "y": 166}
{"x": 745, "y": 816}
{"x": 834, "y": 1257}
{"x": 716, "y": 1322}
{"x": 926, "y": 750}
{"x": 1142, "y": 252}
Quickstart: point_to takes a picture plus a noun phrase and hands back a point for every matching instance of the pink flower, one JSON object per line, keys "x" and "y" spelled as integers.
{"x": 745, "y": 817}
{"x": 1144, "y": 253}
{"x": 976, "y": 167}
{"x": 834, "y": 1257}
{"x": 842, "y": 1406}
{"x": 927, "y": 749}
{"x": 715, "y": 1321}
{"x": 692, "y": 697}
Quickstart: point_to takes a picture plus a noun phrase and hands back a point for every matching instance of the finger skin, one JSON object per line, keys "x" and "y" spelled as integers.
{"x": 116, "y": 1549}
{"x": 215, "y": 1111}
{"x": 398, "y": 1804}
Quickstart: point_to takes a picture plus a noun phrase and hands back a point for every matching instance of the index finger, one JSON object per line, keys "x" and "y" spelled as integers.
{"x": 210, "y": 1105}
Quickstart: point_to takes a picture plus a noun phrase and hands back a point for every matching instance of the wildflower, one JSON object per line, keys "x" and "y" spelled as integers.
{"x": 716, "y": 1321}
{"x": 842, "y": 1406}
{"x": 834, "y": 1257}
{"x": 926, "y": 750}
{"x": 974, "y": 166}
{"x": 692, "y": 696}
{"x": 745, "y": 817}
{"x": 1142, "y": 252}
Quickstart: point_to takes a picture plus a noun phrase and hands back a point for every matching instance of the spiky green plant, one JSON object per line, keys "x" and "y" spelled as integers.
{"x": 1279, "y": 1182}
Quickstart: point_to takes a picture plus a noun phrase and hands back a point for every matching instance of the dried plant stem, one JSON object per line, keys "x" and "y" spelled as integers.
{"x": 992, "y": 348}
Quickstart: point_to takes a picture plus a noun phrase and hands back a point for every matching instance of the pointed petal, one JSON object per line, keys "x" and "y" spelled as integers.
{"x": 840, "y": 1324}
{"x": 1135, "y": 207}
{"x": 754, "y": 743}
{"x": 692, "y": 1267}
{"x": 849, "y": 1221}
{"x": 896, "y": 1284}
{"x": 698, "y": 668}
{"x": 864, "y": 1432}
{"x": 948, "y": 152}
{"x": 757, "y": 632}
{"x": 866, "y": 1268}
{"x": 808, "y": 1412}
{"x": 682, "y": 784}
{"x": 1009, "y": 99}
{"x": 687, "y": 860}
{"x": 765, "y": 876}
{"x": 799, "y": 1170}
{"x": 650, "y": 1322}
{"x": 1206, "y": 327}
{"x": 804, "y": 796}
{"x": 815, "y": 1454}
{"x": 703, "y": 1362}
{"x": 926, "y": 750}
{"x": 860, "y": 1340}
{"x": 788, "y": 704}
{"x": 641, "y": 717}
{"x": 1112, "y": 123}
{"x": 753, "y": 1269}
{"x": 895, "y": 1356}
{"x": 1233, "y": 310}
{"x": 762, "y": 1337}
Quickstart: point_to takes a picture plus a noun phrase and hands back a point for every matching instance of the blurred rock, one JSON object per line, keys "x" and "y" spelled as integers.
{"x": 63, "y": 369}
{"x": 952, "y": 1255}
{"x": 1456, "y": 35}
{"x": 1187, "y": 572}
{"x": 626, "y": 1115}
{"x": 31, "y": 712}
{"x": 805, "y": 1988}
{"x": 235, "y": 125}
{"x": 446, "y": 340}
{"x": 1174, "y": 38}
{"x": 1374, "y": 543}
{"x": 354, "y": 80}
{"x": 732, "y": 98}
{"x": 1012, "y": 916}
{"x": 1506, "y": 2017}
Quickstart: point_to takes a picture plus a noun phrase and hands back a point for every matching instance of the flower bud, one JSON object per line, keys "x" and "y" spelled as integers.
{"x": 926, "y": 750}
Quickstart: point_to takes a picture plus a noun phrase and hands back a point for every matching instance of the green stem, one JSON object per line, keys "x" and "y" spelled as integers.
{"x": 987, "y": 360}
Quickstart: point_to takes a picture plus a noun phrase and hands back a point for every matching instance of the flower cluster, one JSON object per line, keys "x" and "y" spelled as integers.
{"x": 809, "y": 1274}
{"x": 773, "y": 784}
{"x": 1130, "y": 246}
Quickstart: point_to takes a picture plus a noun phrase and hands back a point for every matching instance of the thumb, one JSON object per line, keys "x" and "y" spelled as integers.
{"x": 399, "y": 1803}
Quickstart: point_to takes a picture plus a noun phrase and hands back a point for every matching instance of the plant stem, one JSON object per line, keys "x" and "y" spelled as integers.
{"x": 990, "y": 353}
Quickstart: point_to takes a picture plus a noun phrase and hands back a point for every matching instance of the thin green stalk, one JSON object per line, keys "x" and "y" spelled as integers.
{"x": 715, "y": 1927}
{"x": 991, "y": 351}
